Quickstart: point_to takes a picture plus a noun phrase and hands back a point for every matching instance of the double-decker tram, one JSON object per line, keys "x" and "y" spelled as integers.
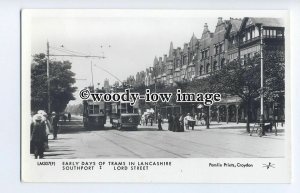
{"x": 124, "y": 116}
{"x": 94, "y": 114}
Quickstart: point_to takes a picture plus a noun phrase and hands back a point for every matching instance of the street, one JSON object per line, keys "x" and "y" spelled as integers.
{"x": 223, "y": 141}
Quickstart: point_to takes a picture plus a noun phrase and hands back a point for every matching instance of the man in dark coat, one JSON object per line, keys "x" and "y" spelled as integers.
{"x": 159, "y": 120}
{"x": 151, "y": 119}
{"x": 38, "y": 136}
{"x": 174, "y": 123}
{"x": 171, "y": 122}
{"x": 177, "y": 123}
{"x": 69, "y": 116}
{"x": 55, "y": 125}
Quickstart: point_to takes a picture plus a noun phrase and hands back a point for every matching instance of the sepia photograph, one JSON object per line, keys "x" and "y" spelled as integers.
{"x": 95, "y": 85}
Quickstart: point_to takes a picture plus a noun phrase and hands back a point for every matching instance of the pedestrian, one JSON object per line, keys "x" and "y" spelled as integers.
{"x": 143, "y": 119}
{"x": 38, "y": 136}
{"x": 151, "y": 120}
{"x": 181, "y": 123}
{"x": 192, "y": 122}
{"x": 186, "y": 121}
{"x": 64, "y": 117}
{"x": 205, "y": 117}
{"x": 174, "y": 123}
{"x": 69, "y": 116}
{"x": 48, "y": 126}
{"x": 146, "y": 119}
{"x": 196, "y": 119}
{"x": 170, "y": 122}
{"x": 159, "y": 120}
{"x": 55, "y": 125}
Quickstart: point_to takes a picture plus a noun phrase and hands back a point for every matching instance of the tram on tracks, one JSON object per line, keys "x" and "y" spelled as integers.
{"x": 94, "y": 114}
{"x": 125, "y": 116}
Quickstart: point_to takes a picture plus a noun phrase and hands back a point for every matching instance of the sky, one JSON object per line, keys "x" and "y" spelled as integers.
{"x": 129, "y": 42}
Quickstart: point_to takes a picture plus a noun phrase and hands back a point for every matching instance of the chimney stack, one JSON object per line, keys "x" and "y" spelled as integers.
{"x": 205, "y": 26}
{"x": 219, "y": 19}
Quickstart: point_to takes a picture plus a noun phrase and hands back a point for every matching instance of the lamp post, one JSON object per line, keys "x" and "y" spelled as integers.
{"x": 48, "y": 80}
{"x": 154, "y": 73}
{"x": 261, "y": 82}
{"x": 246, "y": 92}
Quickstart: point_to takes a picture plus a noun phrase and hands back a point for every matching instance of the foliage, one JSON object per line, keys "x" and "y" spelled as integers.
{"x": 75, "y": 109}
{"x": 61, "y": 81}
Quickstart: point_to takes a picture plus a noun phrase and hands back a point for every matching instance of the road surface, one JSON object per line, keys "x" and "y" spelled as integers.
{"x": 147, "y": 142}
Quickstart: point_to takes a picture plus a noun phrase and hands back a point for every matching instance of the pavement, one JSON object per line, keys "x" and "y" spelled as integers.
{"x": 221, "y": 140}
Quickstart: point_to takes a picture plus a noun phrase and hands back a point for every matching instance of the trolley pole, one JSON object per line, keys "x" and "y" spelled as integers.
{"x": 92, "y": 75}
{"x": 155, "y": 102}
{"x": 48, "y": 79}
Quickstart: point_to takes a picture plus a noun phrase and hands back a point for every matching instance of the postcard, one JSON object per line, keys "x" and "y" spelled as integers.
{"x": 155, "y": 96}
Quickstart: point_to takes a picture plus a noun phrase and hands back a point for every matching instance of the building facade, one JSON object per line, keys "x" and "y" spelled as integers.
{"x": 232, "y": 39}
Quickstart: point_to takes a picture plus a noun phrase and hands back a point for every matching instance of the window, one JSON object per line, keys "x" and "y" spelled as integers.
{"x": 222, "y": 62}
{"x": 114, "y": 108}
{"x": 96, "y": 109}
{"x": 201, "y": 70}
{"x": 248, "y": 35}
{"x": 279, "y": 33}
{"x": 274, "y": 33}
{"x": 207, "y": 68}
{"x": 215, "y": 65}
{"x": 221, "y": 48}
{"x": 129, "y": 108}
{"x": 256, "y": 32}
{"x": 91, "y": 109}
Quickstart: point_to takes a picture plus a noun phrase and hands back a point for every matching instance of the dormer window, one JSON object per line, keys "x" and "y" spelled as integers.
{"x": 216, "y": 49}
{"x": 221, "y": 47}
{"x": 248, "y": 35}
{"x": 279, "y": 33}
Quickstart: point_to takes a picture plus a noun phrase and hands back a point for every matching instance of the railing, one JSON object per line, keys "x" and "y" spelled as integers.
{"x": 258, "y": 37}
{"x": 251, "y": 40}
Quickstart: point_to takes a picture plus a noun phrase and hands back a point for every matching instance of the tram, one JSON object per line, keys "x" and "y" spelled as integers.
{"x": 94, "y": 114}
{"x": 124, "y": 116}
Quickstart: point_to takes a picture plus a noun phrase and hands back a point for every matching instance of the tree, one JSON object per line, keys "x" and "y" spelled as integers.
{"x": 204, "y": 85}
{"x": 61, "y": 81}
{"x": 244, "y": 80}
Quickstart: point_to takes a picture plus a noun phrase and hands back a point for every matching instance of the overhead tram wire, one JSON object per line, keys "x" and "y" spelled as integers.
{"x": 74, "y": 52}
{"x": 62, "y": 49}
{"x": 68, "y": 53}
{"x": 108, "y": 73}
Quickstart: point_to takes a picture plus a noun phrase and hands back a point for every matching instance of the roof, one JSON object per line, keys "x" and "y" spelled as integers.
{"x": 270, "y": 22}
{"x": 267, "y": 22}
{"x": 155, "y": 61}
{"x": 171, "y": 50}
{"x": 235, "y": 24}
{"x": 193, "y": 41}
